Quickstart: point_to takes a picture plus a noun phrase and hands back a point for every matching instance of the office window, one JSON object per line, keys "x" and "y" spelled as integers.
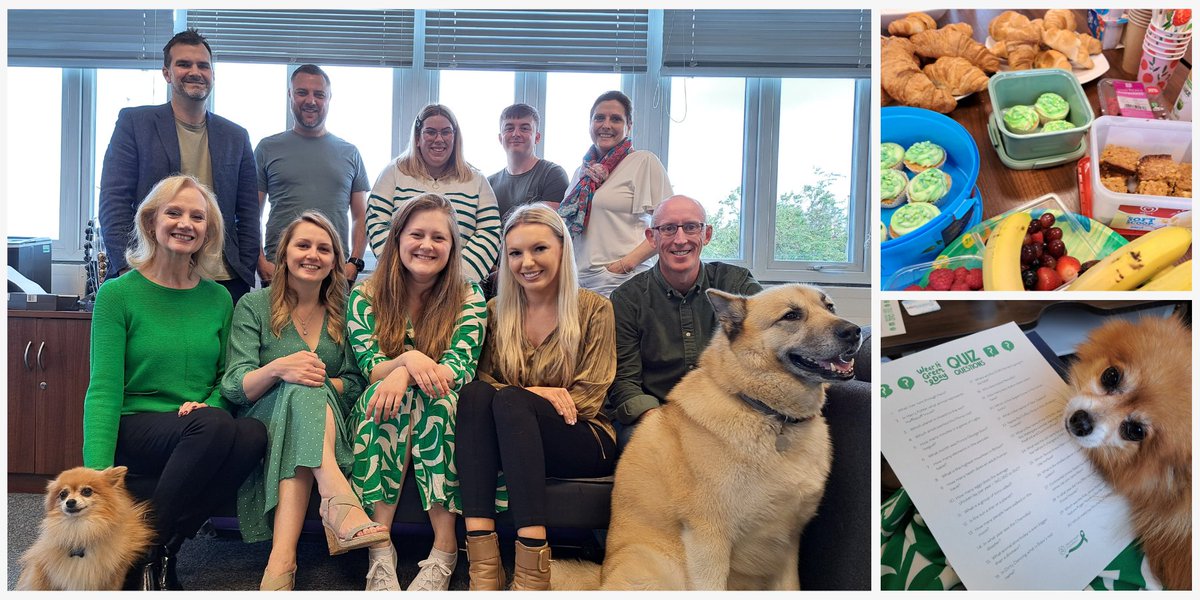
{"x": 361, "y": 113}
{"x": 476, "y": 98}
{"x": 707, "y": 130}
{"x": 34, "y": 99}
{"x": 565, "y": 122}
{"x": 253, "y": 96}
{"x": 813, "y": 212}
{"x": 117, "y": 89}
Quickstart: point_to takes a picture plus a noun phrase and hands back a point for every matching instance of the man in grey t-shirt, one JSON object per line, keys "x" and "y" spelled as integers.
{"x": 308, "y": 168}
{"x": 527, "y": 178}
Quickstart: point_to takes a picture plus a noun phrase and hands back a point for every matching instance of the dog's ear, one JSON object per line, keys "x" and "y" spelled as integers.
{"x": 51, "y": 495}
{"x": 116, "y": 475}
{"x": 731, "y": 311}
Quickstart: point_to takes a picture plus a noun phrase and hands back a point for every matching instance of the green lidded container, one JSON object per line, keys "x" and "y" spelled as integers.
{"x": 1010, "y": 88}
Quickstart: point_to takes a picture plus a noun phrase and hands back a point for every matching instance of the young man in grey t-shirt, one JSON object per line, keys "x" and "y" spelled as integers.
{"x": 527, "y": 178}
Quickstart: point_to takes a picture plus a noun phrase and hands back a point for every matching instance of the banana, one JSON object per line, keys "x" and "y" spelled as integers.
{"x": 1172, "y": 279}
{"x": 1136, "y": 262}
{"x": 1002, "y": 254}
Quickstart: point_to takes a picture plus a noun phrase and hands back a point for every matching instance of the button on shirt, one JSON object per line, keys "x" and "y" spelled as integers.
{"x": 661, "y": 333}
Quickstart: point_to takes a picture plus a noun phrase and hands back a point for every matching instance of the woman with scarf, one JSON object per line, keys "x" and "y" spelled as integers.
{"x": 611, "y": 198}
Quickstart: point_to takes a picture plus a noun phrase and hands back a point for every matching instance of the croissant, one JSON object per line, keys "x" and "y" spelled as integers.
{"x": 902, "y": 79}
{"x": 911, "y": 24}
{"x": 956, "y": 75}
{"x": 1020, "y": 55}
{"x": 1070, "y": 44}
{"x": 1011, "y": 26}
{"x": 963, "y": 27}
{"x": 952, "y": 42}
{"x": 1051, "y": 59}
{"x": 1059, "y": 18}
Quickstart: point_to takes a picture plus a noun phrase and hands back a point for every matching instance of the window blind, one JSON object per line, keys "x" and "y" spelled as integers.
{"x": 767, "y": 43}
{"x": 381, "y": 38}
{"x": 88, "y": 38}
{"x": 528, "y": 40}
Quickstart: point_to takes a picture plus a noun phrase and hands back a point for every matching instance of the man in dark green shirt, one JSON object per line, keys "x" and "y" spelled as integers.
{"x": 663, "y": 317}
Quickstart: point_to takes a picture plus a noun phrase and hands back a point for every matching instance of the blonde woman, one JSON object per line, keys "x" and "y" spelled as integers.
{"x": 535, "y": 410}
{"x": 416, "y": 327}
{"x": 291, "y": 366}
{"x": 154, "y": 401}
{"x": 434, "y": 163}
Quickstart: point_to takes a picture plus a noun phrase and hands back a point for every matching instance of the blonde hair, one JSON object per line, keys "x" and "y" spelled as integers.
{"x": 410, "y": 163}
{"x": 144, "y": 249}
{"x": 509, "y": 340}
{"x": 389, "y": 287}
{"x": 333, "y": 289}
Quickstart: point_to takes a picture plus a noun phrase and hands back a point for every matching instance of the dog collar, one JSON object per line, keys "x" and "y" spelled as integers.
{"x": 774, "y": 414}
{"x": 77, "y": 552}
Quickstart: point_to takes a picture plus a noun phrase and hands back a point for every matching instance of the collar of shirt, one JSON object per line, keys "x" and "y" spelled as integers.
{"x": 671, "y": 292}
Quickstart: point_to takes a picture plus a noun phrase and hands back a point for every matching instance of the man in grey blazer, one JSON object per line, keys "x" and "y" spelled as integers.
{"x": 182, "y": 136}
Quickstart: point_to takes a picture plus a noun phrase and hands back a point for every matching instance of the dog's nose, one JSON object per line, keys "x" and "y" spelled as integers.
{"x": 1080, "y": 424}
{"x": 71, "y": 503}
{"x": 849, "y": 332}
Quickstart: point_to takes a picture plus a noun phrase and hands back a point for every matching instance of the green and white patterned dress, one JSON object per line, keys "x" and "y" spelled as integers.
{"x": 424, "y": 426}
{"x": 911, "y": 559}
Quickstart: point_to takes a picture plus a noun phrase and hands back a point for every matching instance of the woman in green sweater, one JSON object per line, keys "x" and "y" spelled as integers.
{"x": 290, "y": 363}
{"x": 158, "y": 352}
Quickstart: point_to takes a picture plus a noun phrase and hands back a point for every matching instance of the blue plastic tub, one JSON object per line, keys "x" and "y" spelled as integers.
{"x": 962, "y": 207}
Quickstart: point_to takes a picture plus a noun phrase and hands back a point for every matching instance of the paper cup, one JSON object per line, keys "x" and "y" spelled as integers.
{"x": 1139, "y": 16}
{"x": 1156, "y": 70}
{"x": 1162, "y": 51}
{"x": 1135, "y": 34}
{"x": 1172, "y": 19}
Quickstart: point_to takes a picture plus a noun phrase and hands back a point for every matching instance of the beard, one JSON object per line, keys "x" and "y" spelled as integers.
{"x": 299, "y": 114}
{"x": 199, "y": 95}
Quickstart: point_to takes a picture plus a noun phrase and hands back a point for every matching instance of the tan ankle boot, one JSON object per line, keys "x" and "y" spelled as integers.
{"x": 486, "y": 570}
{"x": 532, "y": 571}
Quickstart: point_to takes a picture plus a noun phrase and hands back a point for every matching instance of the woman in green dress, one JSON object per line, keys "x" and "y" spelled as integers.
{"x": 416, "y": 327}
{"x": 290, "y": 365}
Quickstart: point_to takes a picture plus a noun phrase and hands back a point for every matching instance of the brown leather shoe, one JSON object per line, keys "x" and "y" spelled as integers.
{"x": 486, "y": 570}
{"x": 532, "y": 573}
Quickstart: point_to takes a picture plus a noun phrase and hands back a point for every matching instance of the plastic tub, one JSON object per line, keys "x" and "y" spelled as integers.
{"x": 1137, "y": 212}
{"x": 919, "y": 274}
{"x": 1010, "y": 88}
{"x": 962, "y": 206}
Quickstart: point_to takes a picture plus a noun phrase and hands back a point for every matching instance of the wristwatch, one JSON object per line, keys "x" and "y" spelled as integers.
{"x": 357, "y": 262}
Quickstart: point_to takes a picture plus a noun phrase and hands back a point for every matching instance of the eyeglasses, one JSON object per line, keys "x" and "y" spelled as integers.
{"x": 432, "y": 134}
{"x": 671, "y": 228}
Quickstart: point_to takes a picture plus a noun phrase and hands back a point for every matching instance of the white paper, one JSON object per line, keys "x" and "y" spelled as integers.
{"x": 893, "y": 323}
{"x": 973, "y": 429}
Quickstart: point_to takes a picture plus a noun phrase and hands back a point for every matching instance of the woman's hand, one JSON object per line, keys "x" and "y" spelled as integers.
{"x": 188, "y": 407}
{"x": 596, "y": 171}
{"x": 302, "y": 367}
{"x": 426, "y": 374}
{"x": 385, "y": 403}
{"x": 561, "y": 400}
{"x": 617, "y": 267}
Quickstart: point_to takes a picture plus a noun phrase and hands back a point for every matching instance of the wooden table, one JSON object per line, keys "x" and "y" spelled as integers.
{"x": 1004, "y": 188}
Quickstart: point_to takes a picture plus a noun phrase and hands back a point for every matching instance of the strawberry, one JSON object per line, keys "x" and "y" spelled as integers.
{"x": 960, "y": 275}
{"x": 1047, "y": 279}
{"x": 975, "y": 279}
{"x": 914, "y": 288}
{"x": 941, "y": 279}
{"x": 1068, "y": 268}
{"x": 960, "y": 287}
{"x": 1038, "y": 238}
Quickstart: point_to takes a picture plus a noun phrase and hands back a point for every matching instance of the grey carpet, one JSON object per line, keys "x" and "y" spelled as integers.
{"x": 224, "y": 562}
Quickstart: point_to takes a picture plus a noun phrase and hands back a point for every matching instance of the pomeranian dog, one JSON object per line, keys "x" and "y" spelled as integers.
{"x": 1131, "y": 409}
{"x": 92, "y": 534}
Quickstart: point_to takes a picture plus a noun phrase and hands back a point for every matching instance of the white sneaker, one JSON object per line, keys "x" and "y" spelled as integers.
{"x": 435, "y": 572}
{"x": 381, "y": 572}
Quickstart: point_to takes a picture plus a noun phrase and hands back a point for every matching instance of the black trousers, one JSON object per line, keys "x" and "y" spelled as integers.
{"x": 519, "y": 432}
{"x": 237, "y": 288}
{"x": 187, "y": 466}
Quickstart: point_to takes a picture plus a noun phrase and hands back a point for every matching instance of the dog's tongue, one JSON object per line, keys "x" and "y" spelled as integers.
{"x": 839, "y": 365}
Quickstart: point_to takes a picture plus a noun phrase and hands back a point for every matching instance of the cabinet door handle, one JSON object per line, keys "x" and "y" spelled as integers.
{"x": 41, "y": 347}
{"x": 25, "y": 357}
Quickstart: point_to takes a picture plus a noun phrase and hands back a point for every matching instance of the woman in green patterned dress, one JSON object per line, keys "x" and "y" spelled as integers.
{"x": 290, "y": 364}
{"x": 416, "y": 327}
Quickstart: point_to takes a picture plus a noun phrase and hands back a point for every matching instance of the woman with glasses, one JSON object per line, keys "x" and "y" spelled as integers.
{"x": 434, "y": 163}
{"x": 611, "y": 197}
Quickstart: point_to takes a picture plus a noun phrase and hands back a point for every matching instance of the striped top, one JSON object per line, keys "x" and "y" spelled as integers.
{"x": 473, "y": 200}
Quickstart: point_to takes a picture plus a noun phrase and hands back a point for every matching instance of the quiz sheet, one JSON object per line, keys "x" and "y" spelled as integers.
{"x": 974, "y": 430}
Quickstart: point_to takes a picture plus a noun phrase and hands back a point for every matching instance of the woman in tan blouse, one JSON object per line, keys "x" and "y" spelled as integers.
{"x": 534, "y": 411}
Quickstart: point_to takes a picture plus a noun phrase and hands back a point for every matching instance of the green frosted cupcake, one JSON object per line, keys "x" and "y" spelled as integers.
{"x": 891, "y": 156}
{"x": 924, "y": 155}
{"x": 1021, "y": 119}
{"x": 929, "y": 186}
{"x": 883, "y": 232}
{"x": 912, "y": 216}
{"x": 1051, "y": 107}
{"x": 1058, "y": 126}
{"x": 891, "y": 188}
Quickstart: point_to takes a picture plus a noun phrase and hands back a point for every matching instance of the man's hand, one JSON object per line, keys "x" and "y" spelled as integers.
{"x": 266, "y": 269}
{"x": 351, "y": 272}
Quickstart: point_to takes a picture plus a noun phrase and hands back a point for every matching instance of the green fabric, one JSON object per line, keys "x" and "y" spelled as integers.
{"x": 911, "y": 559}
{"x": 294, "y": 414}
{"x": 153, "y": 348}
{"x": 661, "y": 333}
{"x": 424, "y": 426}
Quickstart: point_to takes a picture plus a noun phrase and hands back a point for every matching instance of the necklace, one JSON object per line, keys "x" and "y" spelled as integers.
{"x": 304, "y": 320}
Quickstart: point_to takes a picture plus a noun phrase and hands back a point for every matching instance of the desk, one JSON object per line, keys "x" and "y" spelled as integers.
{"x": 1005, "y": 188}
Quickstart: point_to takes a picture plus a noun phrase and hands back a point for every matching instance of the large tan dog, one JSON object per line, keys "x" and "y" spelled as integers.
{"x": 714, "y": 488}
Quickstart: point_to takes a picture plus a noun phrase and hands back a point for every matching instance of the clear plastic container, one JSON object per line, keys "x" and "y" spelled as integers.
{"x": 1133, "y": 214}
{"x": 1121, "y": 98}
